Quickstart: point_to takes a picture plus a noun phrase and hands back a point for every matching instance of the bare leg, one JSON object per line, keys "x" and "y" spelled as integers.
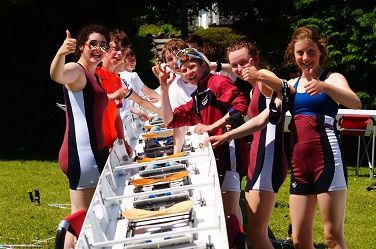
{"x": 179, "y": 134}
{"x": 260, "y": 206}
{"x": 302, "y": 213}
{"x": 80, "y": 199}
{"x": 332, "y": 207}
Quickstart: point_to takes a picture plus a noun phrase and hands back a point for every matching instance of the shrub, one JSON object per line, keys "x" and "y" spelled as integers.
{"x": 159, "y": 31}
{"x": 219, "y": 35}
{"x": 368, "y": 100}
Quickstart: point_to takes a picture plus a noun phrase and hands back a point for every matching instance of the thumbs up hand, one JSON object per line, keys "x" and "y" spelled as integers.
{"x": 250, "y": 72}
{"x": 313, "y": 86}
{"x": 69, "y": 45}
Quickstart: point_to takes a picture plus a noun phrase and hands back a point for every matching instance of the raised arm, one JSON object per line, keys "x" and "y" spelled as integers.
{"x": 67, "y": 74}
{"x": 336, "y": 87}
{"x": 165, "y": 80}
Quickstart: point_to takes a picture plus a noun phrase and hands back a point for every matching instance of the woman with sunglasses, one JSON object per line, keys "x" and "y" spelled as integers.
{"x": 82, "y": 155}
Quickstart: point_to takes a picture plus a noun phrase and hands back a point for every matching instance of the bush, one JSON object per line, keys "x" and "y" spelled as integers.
{"x": 219, "y": 35}
{"x": 368, "y": 100}
{"x": 158, "y": 31}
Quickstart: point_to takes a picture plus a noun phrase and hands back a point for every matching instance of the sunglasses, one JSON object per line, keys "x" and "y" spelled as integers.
{"x": 94, "y": 45}
{"x": 187, "y": 54}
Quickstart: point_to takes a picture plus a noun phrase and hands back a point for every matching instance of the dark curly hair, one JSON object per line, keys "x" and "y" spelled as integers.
{"x": 83, "y": 36}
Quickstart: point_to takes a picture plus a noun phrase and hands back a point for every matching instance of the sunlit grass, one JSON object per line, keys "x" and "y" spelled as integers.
{"x": 23, "y": 222}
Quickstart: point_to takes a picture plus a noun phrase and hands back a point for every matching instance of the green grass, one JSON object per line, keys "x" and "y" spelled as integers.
{"x": 23, "y": 222}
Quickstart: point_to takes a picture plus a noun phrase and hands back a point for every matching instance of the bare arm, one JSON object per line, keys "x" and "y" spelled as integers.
{"x": 144, "y": 103}
{"x": 150, "y": 93}
{"x": 140, "y": 113}
{"x": 249, "y": 127}
{"x": 69, "y": 74}
{"x": 201, "y": 128}
{"x": 336, "y": 87}
{"x": 165, "y": 80}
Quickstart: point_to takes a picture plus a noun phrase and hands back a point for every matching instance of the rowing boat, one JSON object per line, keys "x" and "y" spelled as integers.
{"x": 173, "y": 201}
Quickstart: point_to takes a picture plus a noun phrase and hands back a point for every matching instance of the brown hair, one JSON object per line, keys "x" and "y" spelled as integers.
{"x": 194, "y": 38}
{"x": 120, "y": 38}
{"x": 304, "y": 33}
{"x": 214, "y": 52}
{"x": 130, "y": 52}
{"x": 174, "y": 44}
{"x": 83, "y": 36}
{"x": 252, "y": 49}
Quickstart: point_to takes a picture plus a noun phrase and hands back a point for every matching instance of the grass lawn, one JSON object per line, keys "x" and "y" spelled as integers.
{"x": 24, "y": 222}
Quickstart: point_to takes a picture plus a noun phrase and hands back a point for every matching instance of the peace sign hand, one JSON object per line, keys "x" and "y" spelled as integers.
{"x": 69, "y": 45}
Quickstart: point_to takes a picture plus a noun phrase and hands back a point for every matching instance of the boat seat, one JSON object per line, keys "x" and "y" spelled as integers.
{"x": 73, "y": 224}
{"x": 361, "y": 126}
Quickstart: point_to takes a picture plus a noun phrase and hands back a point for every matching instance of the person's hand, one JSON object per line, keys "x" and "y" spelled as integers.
{"x": 201, "y": 128}
{"x": 314, "y": 86}
{"x": 120, "y": 93}
{"x": 155, "y": 69}
{"x": 216, "y": 140}
{"x": 143, "y": 115}
{"x": 154, "y": 100}
{"x": 250, "y": 72}
{"x": 165, "y": 76}
{"x": 129, "y": 149}
{"x": 69, "y": 45}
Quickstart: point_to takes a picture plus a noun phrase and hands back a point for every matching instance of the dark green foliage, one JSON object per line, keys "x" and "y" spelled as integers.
{"x": 33, "y": 31}
{"x": 219, "y": 35}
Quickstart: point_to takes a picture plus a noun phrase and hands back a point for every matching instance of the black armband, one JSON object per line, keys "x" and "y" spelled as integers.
{"x": 235, "y": 120}
{"x": 286, "y": 96}
{"x": 219, "y": 67}
{"x": 275, "y": 116}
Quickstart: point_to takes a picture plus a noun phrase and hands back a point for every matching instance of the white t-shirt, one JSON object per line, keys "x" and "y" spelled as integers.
{"x": 134, "y": 81}
{"x": 180, "y": 92}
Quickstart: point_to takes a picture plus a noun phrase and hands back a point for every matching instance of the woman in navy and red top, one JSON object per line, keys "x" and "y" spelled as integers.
{"x": 318, "y": 175}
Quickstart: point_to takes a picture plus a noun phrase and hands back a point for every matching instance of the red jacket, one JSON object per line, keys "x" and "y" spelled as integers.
{"x": 214, "y": 97}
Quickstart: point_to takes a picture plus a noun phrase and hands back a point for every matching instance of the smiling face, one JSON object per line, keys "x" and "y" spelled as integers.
{"x": 307, "y": 54}
{"x": 130, "y": 63}
{"x": 94, "y": 54}
{"x": 115, "y": 55}
{"x": 193, "y": 71}
{"x": 170, "y": 58}
{"x": 239, "y": 59}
